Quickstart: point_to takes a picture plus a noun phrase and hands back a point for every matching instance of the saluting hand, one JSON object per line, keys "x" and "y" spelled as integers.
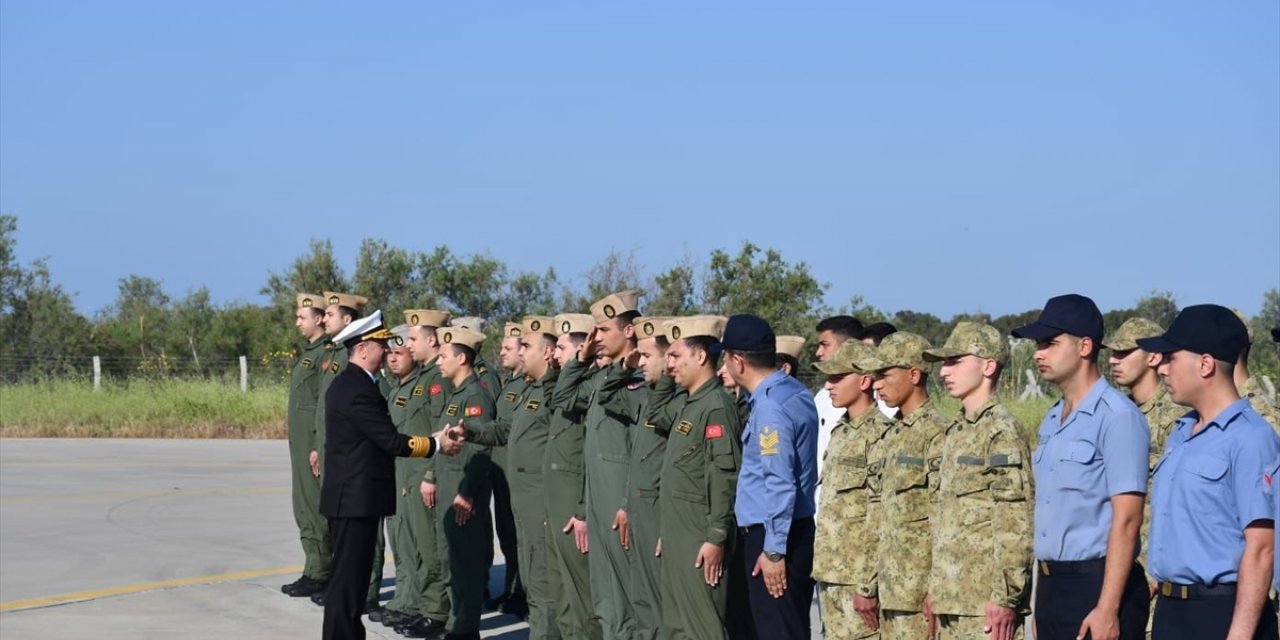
{"x": 775, "y": 574}
{"x": 620, "y": 525}
{"x": 711, "y": 560}
{"x": 632, "y": 361}
{"x": 587, "y": 352}
{"x": 428, "y": 492}
{"x": 315, "y": 464}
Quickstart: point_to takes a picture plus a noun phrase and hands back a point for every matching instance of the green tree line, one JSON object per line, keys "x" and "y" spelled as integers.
{"x": 148, "y": 331}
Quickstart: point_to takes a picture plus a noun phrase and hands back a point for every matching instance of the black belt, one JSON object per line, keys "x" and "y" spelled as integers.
{"x": 1076, "y": 567}
{"x": 752, "y": 527}
{"x": 1196, "y": 591}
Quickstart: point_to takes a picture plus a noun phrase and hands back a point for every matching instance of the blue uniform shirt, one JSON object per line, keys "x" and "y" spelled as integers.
{"x": 1206, "y": 489}
{"x": 1269, "y": 482}
{"x": 779, "y": 459}
{"x": 1099, "y": 452}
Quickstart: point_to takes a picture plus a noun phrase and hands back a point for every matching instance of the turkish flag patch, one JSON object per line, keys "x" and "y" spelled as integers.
{"x": 474, "y": 411}
{"x": 435, "y": 389}
{"x": 715, "y": 430}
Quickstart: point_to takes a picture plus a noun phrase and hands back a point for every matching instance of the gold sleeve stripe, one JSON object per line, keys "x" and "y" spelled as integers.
{"x": 421, "y": 446}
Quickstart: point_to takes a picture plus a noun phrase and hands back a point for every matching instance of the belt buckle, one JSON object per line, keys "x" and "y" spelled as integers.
{"x": 1166, "y": 589}
{"x": 1044, "y": 568}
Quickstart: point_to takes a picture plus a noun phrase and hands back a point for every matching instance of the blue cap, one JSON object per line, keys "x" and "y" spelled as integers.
{"x": 1275, "y": 333}
{"x": 1072, "y": 314}
{"x": 745, "y": 332}
{"x": 1202, "y": 328}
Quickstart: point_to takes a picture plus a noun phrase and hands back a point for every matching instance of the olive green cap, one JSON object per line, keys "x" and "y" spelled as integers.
{"x": 853, "y": 356}
{"x": 902, "y": 349}
{"x": 971, "y": 339}
{"x": 1126, "y": 337}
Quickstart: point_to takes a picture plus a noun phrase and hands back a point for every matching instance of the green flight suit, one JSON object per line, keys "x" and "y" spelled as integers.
{"x": 523, "y": 436}
{"x": 504, "y": 519}
{"x": 403, "y": 547}
{"x": 335, "y": 360}
{"x": 426, "y": 591}
{"x": 699, "y": 480}
{"x": 607, "y": 454}
{"x": 304, "y": 392}
{"x": 563, "y": 477}
{"x": 468, "y": 474}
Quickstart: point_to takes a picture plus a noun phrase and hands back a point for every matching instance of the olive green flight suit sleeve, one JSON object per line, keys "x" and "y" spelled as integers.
{"x": 663, "y": 408}
{"x": 722, "y": 480}
{"x": 478, "y": 466}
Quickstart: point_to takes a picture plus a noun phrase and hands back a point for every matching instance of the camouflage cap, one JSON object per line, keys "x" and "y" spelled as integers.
{"x": 426, "y": 318}
{"x": 789, "y": 345}
{"x": 695, "y": 326}
{"x": 902, "y": 349}
{"x": 538, "y": 324}
{"x": 651, "y": 327}
{"x": 971, "y": 339}
{"x": 348, "y": 300}
{"x": 461, "y": 336}
{"x": 573, "y": 323}
{"x": 1243, "y": 318}
{"x": 512, "y": 330}
{"x": 310, "y": 301}
{"x": 470, "y": 322}
{"x": 853, "y": 356}
{"x": 615, "y": 303}
{"x": 399, "y": 336}
{"x": 1126, "y": 337}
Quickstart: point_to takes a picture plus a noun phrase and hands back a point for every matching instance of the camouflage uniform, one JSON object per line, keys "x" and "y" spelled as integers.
{"x": 982, "y": 525}
{"x": 1260, "y": 403}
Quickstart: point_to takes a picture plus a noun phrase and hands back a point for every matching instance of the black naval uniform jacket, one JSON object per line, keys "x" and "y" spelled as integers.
{"x": 360, "y": 450}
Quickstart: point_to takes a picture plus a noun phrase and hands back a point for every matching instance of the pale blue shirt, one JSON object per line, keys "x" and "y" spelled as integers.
{"x": 1099, "y": 452}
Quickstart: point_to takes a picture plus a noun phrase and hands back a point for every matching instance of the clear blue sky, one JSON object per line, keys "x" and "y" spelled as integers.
{"x": 941, "y": 157}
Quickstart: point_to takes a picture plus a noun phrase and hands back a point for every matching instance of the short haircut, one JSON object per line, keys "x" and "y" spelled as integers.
{"x": 316, "y": 313}
{"x": 348, "y": 312}
{"x": 547, "y": 339}
{"x": 707, "y": 345}
{"x": 468, "y": 354}
{"x": 758, "y": 359}
{"x": 625, "y": 318}
{"x": 844, "y": 327}
{"x": 876, "y": 332}
{"x": 577, "y": 338}
{"x": 788, "y": 359}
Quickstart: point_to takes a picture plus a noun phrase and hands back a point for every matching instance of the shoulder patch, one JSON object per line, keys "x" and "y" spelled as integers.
{"x": 452, "y": 410}
{"x": 532, "y": 405}
{"x": 307, "y": 363}
{"x": 684, "y": 427}
{"x": 418, "y": 390}
{"x": 715, "y": 430}
{"x": 435, "y": 389}
{"x": 474, "y": 411}
{"x": 768, "y": 442}
{"x": 401, "y": 401}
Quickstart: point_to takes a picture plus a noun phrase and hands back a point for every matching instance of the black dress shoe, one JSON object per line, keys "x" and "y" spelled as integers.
{"x": 374, "y": 610}
{"x": 517, "y": 607}
{"x": 393, "y": 618}
{"x": 288, "y": 589}
{"x": 422, "y": 627}
{"x": 474, "y": 635}
{"x": 309, "y": 589}
{"x": 318, "y": 597}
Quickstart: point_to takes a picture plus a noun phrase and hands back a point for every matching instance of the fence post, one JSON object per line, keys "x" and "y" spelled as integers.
{"x": 244, "y": 374}
{"x": 97, "y": 373}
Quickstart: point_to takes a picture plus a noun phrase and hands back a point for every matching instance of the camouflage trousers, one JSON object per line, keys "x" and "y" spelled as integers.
{"x": 970, "y": 628}
{"x": 840, "y": 621}
{"x": 903, "y": 625}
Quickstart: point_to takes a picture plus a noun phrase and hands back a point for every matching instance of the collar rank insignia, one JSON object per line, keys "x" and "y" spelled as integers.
{"x": 472, "y": 412}
{"x": 532, "y": 405}
{"x": 768, "y": 442}
{"x": 452, "y": 410}
{"x": 510, "y": 396}
{"x": 307, "y": 363}
{"x": 418, "y": 390}
{"x": 333, "y": 367}
{"x": 401, "y": 401}
{"x": 684, "y": 427}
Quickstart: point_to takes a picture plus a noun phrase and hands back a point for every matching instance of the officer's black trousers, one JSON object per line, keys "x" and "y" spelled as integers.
{"x": 1064, "y": 598}
{"x": 1205, "y": 617}
{"x": 353, "y": 540}
{"x": 788, "y": 616}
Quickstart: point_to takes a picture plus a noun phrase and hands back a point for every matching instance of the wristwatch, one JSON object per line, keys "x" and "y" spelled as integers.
{"x": 774, "y": 556}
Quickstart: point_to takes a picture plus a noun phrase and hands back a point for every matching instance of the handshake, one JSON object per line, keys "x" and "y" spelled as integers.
{"x": 451, "y": 438}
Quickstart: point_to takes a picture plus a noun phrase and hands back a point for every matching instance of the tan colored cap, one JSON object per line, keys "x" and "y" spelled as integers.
{"x": 460, "y": 336}
{"x": 615, "y": 303}
{"x": 790, "y": 346}
{"x": 311, "y": 301}
{"x": 399, "y": 336}
{"x": 971, "y": 339}
{"x": 345, "y": 300}
{"x": 695, "y": 326}
{"x": 426, "y": 318}
{"x": 902, "y": 349}
{"x": 853, "y": 356}
{"x": 1243, "y": 318}
{"x": 573, "y": 323}
{"x": 1126, "y": 337}
{"x": 538, "y": 324}
{"x": 512, "y": 330}
{"x": 651, "y": 327}
{"x": 470, "y": 322}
